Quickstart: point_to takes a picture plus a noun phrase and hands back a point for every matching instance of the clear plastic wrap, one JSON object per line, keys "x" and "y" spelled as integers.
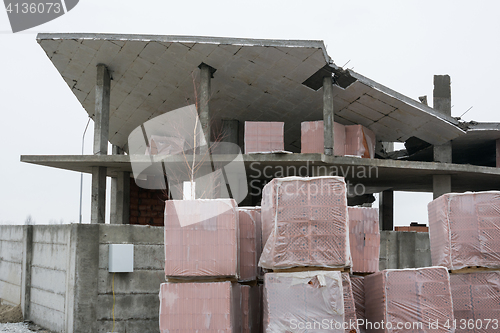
{"x": 350, "y": 317}
{"x": 476, "y": 301}
{"x": 207, "y": 244}
{"x": 304, "y": 223}
{"x": 359, "y": 141}
{"x": 264, "y": 136}
{"x": 409, "y": 300}
{"x": 309, "y": 301}
{"x": 250, "y": 241}
{"x": 200, "y": 307}
{"x": 464, "y": 230}
{"x": 364, "y": 238}
{"x": 358, "y": 292}
{"x": 313, "y": 138}
{"x": 250, "y": 308}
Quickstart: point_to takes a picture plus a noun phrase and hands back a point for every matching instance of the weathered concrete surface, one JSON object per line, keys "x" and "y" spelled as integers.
{"x": 443, "y": 153}
{"x": 98, "y": 199}
{"x": 442, "y": 94}
{"x": 441, "y": 184}
{"x": 328, "y": 115}
{"x": 11, "y": 263}
{"x": 402, "y": 249}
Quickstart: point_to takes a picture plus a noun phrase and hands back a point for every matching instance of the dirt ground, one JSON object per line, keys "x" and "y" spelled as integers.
{"x": 11, "y": 314}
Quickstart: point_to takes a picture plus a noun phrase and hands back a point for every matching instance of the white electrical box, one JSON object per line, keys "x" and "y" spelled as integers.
{"x": 121, "y": 258}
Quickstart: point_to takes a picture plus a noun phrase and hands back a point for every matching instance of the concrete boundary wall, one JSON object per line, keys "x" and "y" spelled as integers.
{"x": 11, "y": 263}
{"x": 403, "y": 249}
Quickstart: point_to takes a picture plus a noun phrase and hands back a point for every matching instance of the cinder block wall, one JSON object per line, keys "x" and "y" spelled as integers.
{"x": 402, "y": 249}
{"x": 11, "y": 262}
{"x": 49, "y": 276}
{"x": 136, "y": 294}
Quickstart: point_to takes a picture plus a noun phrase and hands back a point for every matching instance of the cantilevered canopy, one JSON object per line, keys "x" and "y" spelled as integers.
{"x": 263, "y": 80}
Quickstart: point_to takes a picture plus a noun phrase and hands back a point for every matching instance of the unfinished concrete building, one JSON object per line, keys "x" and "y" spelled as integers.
{"x": 123, "y": 81}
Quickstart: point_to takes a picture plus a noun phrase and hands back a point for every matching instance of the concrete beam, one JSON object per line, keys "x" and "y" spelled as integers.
{"x": 441, "y": 184}
{"x": 98, "y": 200}
{"x": 101, "y": 115}
{"x": 386, "y": 210}
{"x": 120, "y": 195}
{"x": 328, "y": 115}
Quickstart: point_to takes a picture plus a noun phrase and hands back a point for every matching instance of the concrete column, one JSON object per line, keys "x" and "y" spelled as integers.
{"x": 230, "y": 134}
{"x": 120, "y": 194}
{"x": 442, "y": 103}
{"x": 328, "y": 115}
{"x": 101, "y": 135}
{"x": 498, "y": 153}
{"x": 386, "y": 210}
{"x": 26, "y": 270}
{"x": 441, "y": 184}
{"x": 203, "y": 104}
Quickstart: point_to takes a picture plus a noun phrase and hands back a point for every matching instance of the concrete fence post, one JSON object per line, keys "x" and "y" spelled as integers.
{"x": 26, "y": 270}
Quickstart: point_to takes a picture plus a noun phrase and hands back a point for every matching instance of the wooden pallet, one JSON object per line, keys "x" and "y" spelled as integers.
{"x": 473, "y": 269}
{"x": 362, "y": 273}
{"x": 200, "y": 279}
{"x": 311, "y": 268}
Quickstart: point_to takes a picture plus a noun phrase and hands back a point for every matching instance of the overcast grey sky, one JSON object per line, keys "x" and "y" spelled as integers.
{"x": 400, "y": 44}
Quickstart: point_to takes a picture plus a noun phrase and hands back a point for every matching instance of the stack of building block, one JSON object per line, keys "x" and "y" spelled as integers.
{"x": 208, "y": 249}
{"x": 364, "y": 237}
{"x": 251, "y": 299}
{"x": 464, "y": 230}
{"x": 359, "y": 141}
{"x": 350, "y": 315}
{"x": 264, "y": 137}
{"x": 312, "y": 138}
{"x": 476, "y": 301}
{"x": 351, "y": 140}
{"x": 358, "y": 292}
{"x": 414, "y": 297}
{"x": 303, "y": 302}
{"x": 304, "y": 223}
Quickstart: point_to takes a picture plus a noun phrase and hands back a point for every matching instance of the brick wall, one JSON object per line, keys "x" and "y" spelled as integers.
{"x": 147, "y": 207}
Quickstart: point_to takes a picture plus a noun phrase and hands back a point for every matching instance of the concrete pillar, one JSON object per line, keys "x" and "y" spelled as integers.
{"x": 120, "y": 194}
{"x": 442, "y": 94}
{"x": 203, "y": 104}
{"x": 26, "y": 271}
{"x": 441, "y": 184}
{"x": 328, "y": 115}
{"x": 230, "y": 134}
{"x": 101, "y": 136}
{"x": 386, "y": 210}
{"x": 498, "y": 153}
{"x": 442, "y": 153}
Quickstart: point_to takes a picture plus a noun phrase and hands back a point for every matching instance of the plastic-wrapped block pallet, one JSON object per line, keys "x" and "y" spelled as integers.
{"x": 309, "y": 301}
{"x": 202, "y": 239}
{"x": 358, "y": 292}
{"x": 359, "y": 141}
{"x": 364, "y": 238}
{"x": 250, "y": 241}
{"x": 476, "y": 301}
{"x": 200, "y": 307}
{"x": 250, "y": 308}
{"x": 312, "y": 138}
{"x": 407, "y": 300}
{"x": 304, "y": 223}
{"x": 350, "y": 318}
{"x": 263, "y": 136}
{"x": 464, "y": 230}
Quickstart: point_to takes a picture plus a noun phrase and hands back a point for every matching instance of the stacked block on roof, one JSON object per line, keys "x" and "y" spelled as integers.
{"x": 264, "y": 136}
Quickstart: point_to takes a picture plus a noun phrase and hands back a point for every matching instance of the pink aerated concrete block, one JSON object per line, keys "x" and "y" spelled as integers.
{"x": 364, "y": 238}
{"x": 359, "y": 141}
{"x": 350, "y": 317}
{"x": 358, "y": 292}
{"x": 464, "y": 230}
{"x": 304, "y": 223}
{"x": 200, "y": 307}
{"x": 292, "y": 301}
{"x": 406, "y": 296}
{"x": 250, "y": 241}
{"x": 476, "y": 300}
{"x": 264, "y": 136}
{"x": 313, "y": 139}
{"x": 207, "y": 244}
